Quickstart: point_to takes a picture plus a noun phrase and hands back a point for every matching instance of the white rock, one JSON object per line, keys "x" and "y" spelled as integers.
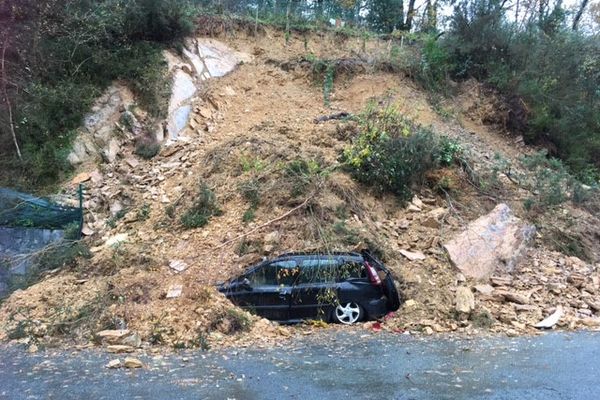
{"x": 131, "y": 362}
{"x": 465, "y": 301}
{"x": 413, "y": 255}
{"x": 552, "y": 320}
{"x": 174, "y": 291}
{"x": 112, "y": 364}
{"x": 113, "y": 240}
{"x": 178, "y": 265}
{"x": 417, "y": 202}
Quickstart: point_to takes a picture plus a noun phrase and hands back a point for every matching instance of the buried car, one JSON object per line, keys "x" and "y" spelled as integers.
{"x": 339, "y": 287}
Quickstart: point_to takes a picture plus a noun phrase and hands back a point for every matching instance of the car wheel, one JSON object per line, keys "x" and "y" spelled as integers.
{"x": 348, "y": 313}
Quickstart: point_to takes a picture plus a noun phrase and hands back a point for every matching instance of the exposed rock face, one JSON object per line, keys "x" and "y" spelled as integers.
{"x": 495, "y": 241}
{"x": 203, "y": 59}
{"x": 96, "y": 138}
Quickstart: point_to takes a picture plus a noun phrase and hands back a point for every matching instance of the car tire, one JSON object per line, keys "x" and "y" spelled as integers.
{"x": 348, "y": 313}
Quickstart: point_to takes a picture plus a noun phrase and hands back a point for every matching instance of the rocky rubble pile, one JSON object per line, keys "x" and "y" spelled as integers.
{"x": 500, "y": 284}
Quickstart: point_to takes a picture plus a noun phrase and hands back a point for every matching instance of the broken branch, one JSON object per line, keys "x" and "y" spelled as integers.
{"x": 341, "y": 115}
{"x": 304, "y": 203}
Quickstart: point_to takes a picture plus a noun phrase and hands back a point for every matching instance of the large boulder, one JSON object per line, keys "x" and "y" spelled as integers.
{"x": 495, "y": 241}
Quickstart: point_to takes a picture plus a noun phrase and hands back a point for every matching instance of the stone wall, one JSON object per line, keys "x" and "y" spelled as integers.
{"x": 16, "y": 244}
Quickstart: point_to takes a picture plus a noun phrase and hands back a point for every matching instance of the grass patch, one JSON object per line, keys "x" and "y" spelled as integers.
{"x": 202, "y": 210}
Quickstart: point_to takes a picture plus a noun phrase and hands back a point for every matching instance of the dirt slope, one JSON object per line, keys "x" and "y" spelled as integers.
{"x": 246, "y": 130}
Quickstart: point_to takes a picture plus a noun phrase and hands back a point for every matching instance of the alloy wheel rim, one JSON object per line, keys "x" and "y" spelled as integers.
{"x": 347, "y": 313}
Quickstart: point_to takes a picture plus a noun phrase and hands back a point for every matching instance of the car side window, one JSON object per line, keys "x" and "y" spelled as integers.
{"x": 318, "y": 270}
{"x": 275, "y": 273}
{"x": 351, "y": 269}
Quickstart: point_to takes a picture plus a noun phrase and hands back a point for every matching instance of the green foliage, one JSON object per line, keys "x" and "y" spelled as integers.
{"x": 303, "y": 175}
{"x": 553, "y": 71}
{"x": 72, "y": 231}
{"x": 147, "y": 148}
{"x": 250, "y": 191}
{"x": 144, "y": 212}
{"x": 65, "y": 253}
{"x": 328, "y": 84}
{"x": 450, "y": 151}
{"x": 435, "y": 64}
{"x": 550, "y": 179}
{"x": 202, "y": 210}
{"x": 323, "y": 71}
{"x": 112, "y": 221}
{"x": 239, "y": 320}
{"x": 251, "y": 164}
{"x": 62, "y": 54}
{"x": 482, "y": 319}
{"x": 347, "y": 236}
{"x": 391, "y": 153}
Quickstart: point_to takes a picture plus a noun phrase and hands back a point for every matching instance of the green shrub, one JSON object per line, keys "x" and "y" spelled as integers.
{"x": 391, "y": 153}
{"x": 435, "y": 65}
{"x": 551, "y": 71}
{"x": 202, "y": 210}
{"x": 240, "y": 321}
{"x": 302, "y": 175}
{"x": 250, "y": 191}
{"x": 147, "y": 148}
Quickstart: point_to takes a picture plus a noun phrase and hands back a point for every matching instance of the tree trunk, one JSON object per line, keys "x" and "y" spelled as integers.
{"x": 582, "y": 7}
{"x": 7, "y": 99}
{"x": 409, "y": 15}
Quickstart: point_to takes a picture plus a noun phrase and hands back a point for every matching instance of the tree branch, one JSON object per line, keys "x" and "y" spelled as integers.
{"x": 304, "y": 203}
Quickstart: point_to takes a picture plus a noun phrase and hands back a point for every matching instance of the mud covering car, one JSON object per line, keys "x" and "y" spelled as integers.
{"x": 336, "y": 287}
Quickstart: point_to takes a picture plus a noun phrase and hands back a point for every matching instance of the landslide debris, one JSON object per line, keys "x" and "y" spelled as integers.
{"x": 275, "y": 177}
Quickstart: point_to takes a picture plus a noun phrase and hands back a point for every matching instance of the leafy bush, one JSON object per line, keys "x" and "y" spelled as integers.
{"x": 147, "y": 148}
{"x": 435, "y": 64}
{"x": 553, "y": 71}
{"x": 202, "y": 210}
{"x": 391, "y": 153}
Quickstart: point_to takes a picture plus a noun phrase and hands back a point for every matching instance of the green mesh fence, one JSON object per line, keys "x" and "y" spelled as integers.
{"x": 24, "y": 210}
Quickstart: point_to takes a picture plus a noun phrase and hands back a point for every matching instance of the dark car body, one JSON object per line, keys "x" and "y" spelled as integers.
{"x": 298, "y": 286}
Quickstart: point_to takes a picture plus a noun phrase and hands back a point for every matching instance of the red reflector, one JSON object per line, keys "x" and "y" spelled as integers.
{"x": 373, "y": 277}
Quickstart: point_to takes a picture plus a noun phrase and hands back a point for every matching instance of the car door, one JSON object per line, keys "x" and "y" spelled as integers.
{"x": 315, "y": 292}
{"x": 269, "y": 291}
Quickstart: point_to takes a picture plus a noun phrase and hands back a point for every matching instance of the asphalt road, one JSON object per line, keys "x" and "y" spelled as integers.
{"x": 324, "y": 366}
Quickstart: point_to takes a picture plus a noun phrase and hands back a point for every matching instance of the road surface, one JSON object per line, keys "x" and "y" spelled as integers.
{"x": 323, "y": 366}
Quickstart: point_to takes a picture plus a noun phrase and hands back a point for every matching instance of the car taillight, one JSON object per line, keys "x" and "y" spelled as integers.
{"x": 373, "y": 277}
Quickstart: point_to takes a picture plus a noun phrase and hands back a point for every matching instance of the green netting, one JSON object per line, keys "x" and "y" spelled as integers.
{"x": 23, "y": 210}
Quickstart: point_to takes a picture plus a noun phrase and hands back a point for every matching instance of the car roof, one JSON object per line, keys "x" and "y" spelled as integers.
{"x": 304, "y": 255}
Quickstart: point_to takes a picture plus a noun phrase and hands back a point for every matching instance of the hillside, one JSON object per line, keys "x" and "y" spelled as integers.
{"x": 247, "y": 131}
